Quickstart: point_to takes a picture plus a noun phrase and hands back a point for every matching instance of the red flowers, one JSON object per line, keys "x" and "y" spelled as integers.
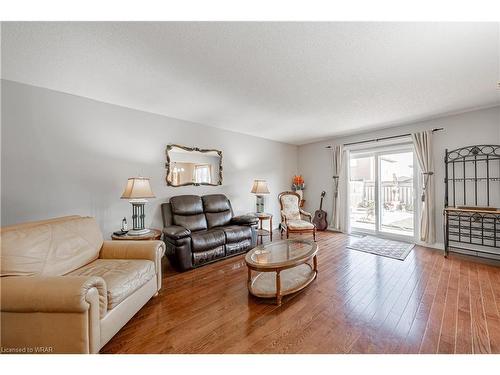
{"x": 298, "y": 180}
{"x": 298, "y": 183}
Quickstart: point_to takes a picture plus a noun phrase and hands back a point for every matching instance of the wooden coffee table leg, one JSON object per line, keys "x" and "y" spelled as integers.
{"x": 249, "y": 276}
{"x": 278, "y": 288}
{"x": 315, "y": 265}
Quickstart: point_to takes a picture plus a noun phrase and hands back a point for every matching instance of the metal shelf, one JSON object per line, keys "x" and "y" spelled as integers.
{"x": 467, "y": 185}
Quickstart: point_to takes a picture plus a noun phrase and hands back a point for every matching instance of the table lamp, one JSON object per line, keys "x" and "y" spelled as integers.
{"x": 137, "y": 190}
{"x": 259, "y": 188}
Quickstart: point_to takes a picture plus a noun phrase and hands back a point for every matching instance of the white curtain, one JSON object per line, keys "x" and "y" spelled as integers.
{"x": 338, "y": 216}
{"x": 344, "y": 204}
{"x": 423, "y": 149}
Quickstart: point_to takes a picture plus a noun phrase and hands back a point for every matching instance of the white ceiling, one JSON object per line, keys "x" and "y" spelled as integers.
{"x": 294, "y": 82}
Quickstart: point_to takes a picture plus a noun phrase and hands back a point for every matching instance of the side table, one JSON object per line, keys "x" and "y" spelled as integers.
{"x": 261, "y": 232}
{"x": 154, "y": 234}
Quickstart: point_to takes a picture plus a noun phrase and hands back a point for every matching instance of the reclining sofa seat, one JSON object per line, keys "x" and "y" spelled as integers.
{"x": 199, "y": 230}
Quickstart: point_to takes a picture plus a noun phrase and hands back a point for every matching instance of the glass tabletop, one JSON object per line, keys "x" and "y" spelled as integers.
{"x": 281, "y": 253}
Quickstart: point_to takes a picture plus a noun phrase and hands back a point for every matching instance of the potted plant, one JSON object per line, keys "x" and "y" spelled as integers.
{"x": 298, "y": 185}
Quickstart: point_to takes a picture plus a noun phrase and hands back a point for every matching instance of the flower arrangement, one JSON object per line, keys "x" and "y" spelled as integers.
{"x": 298, "y": 183}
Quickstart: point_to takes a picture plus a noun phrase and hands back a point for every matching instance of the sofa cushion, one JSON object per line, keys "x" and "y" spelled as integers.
{"x": 186, "y": 205}
{"x": 218, "y": 219}
{"x": 187, "y": 212}
{"x": 51, "y": 247}
{"x": 122, "y": 276}
{"x": 237, "y": 233}
{"x": 207, "y": 239}
{"x": 215, "y": 203}
{"x": 191, "y": 222}
{"x": 217, "y": 210}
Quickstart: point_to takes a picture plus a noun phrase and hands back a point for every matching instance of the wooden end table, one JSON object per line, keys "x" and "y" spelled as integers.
{"x": 261, "y": 232}
{"x": 154, "y": 234}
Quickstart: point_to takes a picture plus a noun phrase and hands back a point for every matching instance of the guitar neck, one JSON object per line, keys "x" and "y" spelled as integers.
{"x": 321, "y": 204}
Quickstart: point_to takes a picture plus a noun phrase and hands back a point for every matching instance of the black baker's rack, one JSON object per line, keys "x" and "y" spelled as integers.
{"x": 472, "y": 200}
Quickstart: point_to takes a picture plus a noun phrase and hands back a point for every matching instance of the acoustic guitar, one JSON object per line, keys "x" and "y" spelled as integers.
{"x": 320, "y": 215}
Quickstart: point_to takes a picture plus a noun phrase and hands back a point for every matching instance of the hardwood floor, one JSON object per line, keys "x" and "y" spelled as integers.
{"x": 360, "y": 303}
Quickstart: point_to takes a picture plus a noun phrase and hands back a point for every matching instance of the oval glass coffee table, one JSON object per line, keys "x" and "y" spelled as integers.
{"x": 282, "y": 267}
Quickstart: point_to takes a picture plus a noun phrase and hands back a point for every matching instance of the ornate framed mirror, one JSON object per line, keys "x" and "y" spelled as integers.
{"x": 193, "y": 166}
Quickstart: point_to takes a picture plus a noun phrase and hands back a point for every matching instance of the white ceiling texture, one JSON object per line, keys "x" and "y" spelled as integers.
{"x": 294, "y": 82}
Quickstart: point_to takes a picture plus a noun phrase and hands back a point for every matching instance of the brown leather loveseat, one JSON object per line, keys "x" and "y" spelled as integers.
{"x": 199, "y": 230}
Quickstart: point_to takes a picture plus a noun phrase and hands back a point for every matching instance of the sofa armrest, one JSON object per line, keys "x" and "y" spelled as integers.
{"x": 149, "y": 250}
{"x": 245, "y": 220}
{"x": 62, "y": 313}
{"x": 52, "y": 294}
{"x": 176, "y": 232}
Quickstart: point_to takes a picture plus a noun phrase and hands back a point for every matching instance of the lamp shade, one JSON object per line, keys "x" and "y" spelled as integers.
{"x": 260, "y": 187}
{"x": 137, "y": 188}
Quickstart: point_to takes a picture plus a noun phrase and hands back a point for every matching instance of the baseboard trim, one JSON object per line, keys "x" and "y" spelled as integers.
{"x": 435, "y": 245}
{"x": 330, "y": 229}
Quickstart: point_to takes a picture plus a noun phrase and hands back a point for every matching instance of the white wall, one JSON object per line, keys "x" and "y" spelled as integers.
{"x": 63, "y": 154}
{"x": 477, "y": 127}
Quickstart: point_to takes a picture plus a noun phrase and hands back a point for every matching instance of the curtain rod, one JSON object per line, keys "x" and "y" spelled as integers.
{"x": 383, "y": 138}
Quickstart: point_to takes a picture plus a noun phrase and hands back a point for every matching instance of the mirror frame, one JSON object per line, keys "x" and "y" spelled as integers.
{"x": 190, "y": 149}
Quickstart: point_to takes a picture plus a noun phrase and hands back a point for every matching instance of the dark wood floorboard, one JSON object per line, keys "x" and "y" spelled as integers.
{"x": 360, "y": 303}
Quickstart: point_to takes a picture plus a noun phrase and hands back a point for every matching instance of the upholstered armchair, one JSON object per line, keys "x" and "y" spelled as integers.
{"x": 293, "y": 217}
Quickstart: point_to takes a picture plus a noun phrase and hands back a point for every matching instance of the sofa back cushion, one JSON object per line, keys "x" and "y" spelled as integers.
{"x": 187, "y": 211}
{"x": 51, "y": 247}
{"x": 217, "y": 209}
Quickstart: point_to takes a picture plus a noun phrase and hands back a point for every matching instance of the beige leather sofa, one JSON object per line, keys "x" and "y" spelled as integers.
{"x": 66, "y": 290}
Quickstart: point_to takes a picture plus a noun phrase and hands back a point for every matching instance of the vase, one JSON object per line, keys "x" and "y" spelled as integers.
{"x": 300, "y": 193}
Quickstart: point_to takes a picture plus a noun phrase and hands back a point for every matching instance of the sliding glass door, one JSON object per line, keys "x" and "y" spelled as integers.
{"x": 362, "y": 195}
{"x": 381, "y": 191}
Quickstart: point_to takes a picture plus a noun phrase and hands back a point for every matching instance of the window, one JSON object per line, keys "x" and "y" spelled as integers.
{"x": 202, "y": 174}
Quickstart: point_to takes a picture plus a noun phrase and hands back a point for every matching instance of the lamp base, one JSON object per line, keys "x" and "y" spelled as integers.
{"x": 260, "y": 204}
{"x": 138, "y": 232}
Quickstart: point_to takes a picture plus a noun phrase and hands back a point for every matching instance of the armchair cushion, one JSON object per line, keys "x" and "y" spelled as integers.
{"x": 122, "y": 276}
{"x": 290, "y": 206}
{"x": 244, "y": 220}
{"x": 176, "y": 232}
{"x": 299, "y": 224}
{"x": 57, "y": 294}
